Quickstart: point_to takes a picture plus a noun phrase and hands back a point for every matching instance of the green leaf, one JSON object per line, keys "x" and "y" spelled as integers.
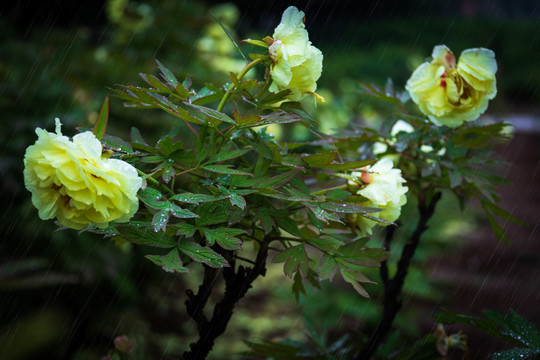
{"x": 320, "y": 159}
{"x": 348, "y": 208}
{"x": 160, "y": 220}
{"x": 279, "y": 117}
{"x": 517, "y": 327}
{"x": 197, "y": 198}
{"x": 205, "y": 96}
{"x": 116, "y": 143}
{"x": 212, "y": 213}
{"x": 295, "y": 259}
{"x": 202, "y": 115}
{"x": 327, "y": 267}
{"x": 322, "y": 214}
{"x": 101, "y": 124}
{"x": 352, "y": 278}
{"x": 167, "y": 145}
{"x": 237, "y": 200}
{"x": 141, "y": 236}
{"x": 167, "y": 75}
{"x": 227, "y": 155}
{"x": 224, "y": 169}
{"x": 298, "y": 286}
{"x": 277, "y": 181}
{"x": 201, "y": 254}
{"x": 485, "y": 325}
{"x": 289, "y": 225}
{"x": 185, "y": 229}
{"x": 338, "y": 194}
{"x": 151, "y": 197}
{"x": 230, "y": 36}
{"x": 155, "y": 83}
{"x": 225, "y": 237}
{"x": 515, "y": 354}
{"x": 325, "y": 243}
{"x": 170, "y": 262}
{"x": 137, "y": 137}
{"x": 500, "y": 212}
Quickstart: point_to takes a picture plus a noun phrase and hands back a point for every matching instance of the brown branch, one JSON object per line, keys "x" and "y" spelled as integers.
{"x": 392, "y": 301}
{"x": 237, "y": 283}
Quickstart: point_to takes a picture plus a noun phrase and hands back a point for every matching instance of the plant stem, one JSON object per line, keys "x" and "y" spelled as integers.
{"x": 237, "y": 283}
{"x": 241, "y": 74}
{"x": 393, "y": 287}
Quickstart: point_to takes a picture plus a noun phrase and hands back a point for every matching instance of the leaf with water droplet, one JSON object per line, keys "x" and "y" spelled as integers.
{"x": 170, "y": 262}
{"x": 201, "y": 254}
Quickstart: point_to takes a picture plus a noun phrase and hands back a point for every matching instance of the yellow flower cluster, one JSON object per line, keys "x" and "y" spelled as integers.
{"x": 70, "y": 181}
{"x": 449, "y": 93}
{"x": 296, "y": 64}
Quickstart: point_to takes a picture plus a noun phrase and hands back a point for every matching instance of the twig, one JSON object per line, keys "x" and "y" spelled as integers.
{"x": 237, "y": 283}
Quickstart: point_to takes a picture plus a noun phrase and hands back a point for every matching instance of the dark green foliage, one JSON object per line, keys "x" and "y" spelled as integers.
{"x": 509, "y": 327}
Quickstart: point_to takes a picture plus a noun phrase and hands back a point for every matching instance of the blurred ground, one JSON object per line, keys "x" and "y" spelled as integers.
{"x": 488, "y": 275}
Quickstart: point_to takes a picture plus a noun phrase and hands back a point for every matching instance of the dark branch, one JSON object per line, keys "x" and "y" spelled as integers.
{"x": 237, "y": 283}
{"x": 392, "y": 301}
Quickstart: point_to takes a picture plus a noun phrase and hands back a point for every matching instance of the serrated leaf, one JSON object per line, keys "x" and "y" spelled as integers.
{"x": 145, "y": 237}
{"x": 167, "y": 145}
{"x": 100, "y": 127}
{"x": 137, "y": 137}
{"x": 202, "y": 115}
{"x": 224, "y": 169}
{"x": 338, "y": 194}
{"x": 180, "y": 213}
{"x": 192, "y": 198}
{"x": 167, "y": 75}
{"x": 154, "y": 82}
{"x": 225, "y": 237}
{"x": 327, "y": 267}
{"x": 515, "y": 354}
{"x": 227, "y": 155}
{"x": 212, "y": 213}
{"x": 320, "y": 159}
{"x": 237, "y": 200}
{"x": 298, "y": 286}
{"x": 295, "y": 259}
{"x": 348, "y": 208}
{"x": 326, "y": 243}
{"x": 185, "y": 229}
{"x": 289, "y": 225}
{"x": 201, "y": 254}
{"x": 160, "y": 220}
{"x": 170, "y": 262}
{"x": 517, "y": 327}
{"x": 116, "y": 143}
{"x": 277, "y": 181}
{"x": 352, "y": 278}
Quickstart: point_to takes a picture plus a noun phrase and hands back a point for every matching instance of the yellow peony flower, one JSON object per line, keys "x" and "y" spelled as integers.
{"x": 71, "y": 182}
{"x": 382, "y": 186}
{"x": 297, "y": 65}
{"x": 449, "y": 93}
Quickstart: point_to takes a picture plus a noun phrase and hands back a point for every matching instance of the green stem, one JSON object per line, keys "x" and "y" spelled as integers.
{"x": 241, "y": 74}
{"x": 321, "y": 192}
{"x": 155, "y": 182}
